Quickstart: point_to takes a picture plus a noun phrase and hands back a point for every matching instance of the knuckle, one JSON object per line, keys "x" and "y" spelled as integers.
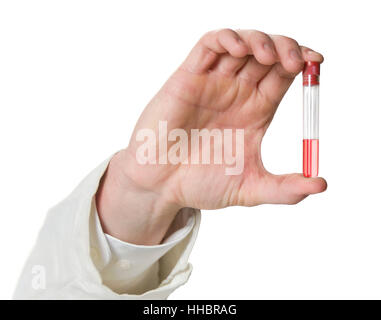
{"x": 255, "y": 35}
{"x": 291, "y": 42}
{"x": 260, "y": 37}
{"x": 219, "y": 33}
{"x": 287, "y": 40}
{"x": 208, "y": 34}
{"x": 227, "y": 33}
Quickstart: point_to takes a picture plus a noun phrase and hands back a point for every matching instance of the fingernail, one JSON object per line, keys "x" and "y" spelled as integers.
{"x": 295, "y": 55}
{"x": 312, "y": 53}
{"x": 269, "y": 48}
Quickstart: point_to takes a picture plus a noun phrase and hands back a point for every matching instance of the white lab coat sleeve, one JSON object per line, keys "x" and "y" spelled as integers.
{"x": 131, "y": 268}
{"x": 63, "y": 265}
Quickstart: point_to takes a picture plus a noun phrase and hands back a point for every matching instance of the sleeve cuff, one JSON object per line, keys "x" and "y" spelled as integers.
{"x": 127, "y": 267}
{"x": 139, "y": 257}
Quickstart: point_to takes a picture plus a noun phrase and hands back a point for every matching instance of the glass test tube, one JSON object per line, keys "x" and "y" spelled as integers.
{"x": 311, "y": 75}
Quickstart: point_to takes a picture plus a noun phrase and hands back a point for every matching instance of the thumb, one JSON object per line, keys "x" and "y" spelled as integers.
{"x": 292, "y": 188}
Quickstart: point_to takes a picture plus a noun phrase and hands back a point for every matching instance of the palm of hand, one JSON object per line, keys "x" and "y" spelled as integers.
{"x": 235, "y": 90}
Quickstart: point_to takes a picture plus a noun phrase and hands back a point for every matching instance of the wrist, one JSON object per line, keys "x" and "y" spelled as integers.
{"x": 130, "y": 212}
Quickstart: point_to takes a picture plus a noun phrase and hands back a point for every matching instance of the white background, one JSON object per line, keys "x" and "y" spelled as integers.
{"x": 75, "y": 75}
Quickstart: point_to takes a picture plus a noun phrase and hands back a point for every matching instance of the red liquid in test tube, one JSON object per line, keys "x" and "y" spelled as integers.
{"x": 311, "y": 75}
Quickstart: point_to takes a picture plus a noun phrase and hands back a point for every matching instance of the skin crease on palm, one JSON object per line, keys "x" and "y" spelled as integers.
{"x": 230, "y": 79}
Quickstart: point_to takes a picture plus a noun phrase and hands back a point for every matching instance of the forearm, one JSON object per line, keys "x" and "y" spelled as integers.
{"x": 129, "y": 212}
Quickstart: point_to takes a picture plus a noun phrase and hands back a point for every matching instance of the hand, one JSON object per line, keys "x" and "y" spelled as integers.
{"x": 230, "y": 80}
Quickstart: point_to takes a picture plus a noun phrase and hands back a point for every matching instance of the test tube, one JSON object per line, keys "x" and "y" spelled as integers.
{"x": 311, "y": 73}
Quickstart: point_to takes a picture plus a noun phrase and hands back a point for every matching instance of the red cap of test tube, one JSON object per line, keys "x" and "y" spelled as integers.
{"x": 311, "y": 73}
